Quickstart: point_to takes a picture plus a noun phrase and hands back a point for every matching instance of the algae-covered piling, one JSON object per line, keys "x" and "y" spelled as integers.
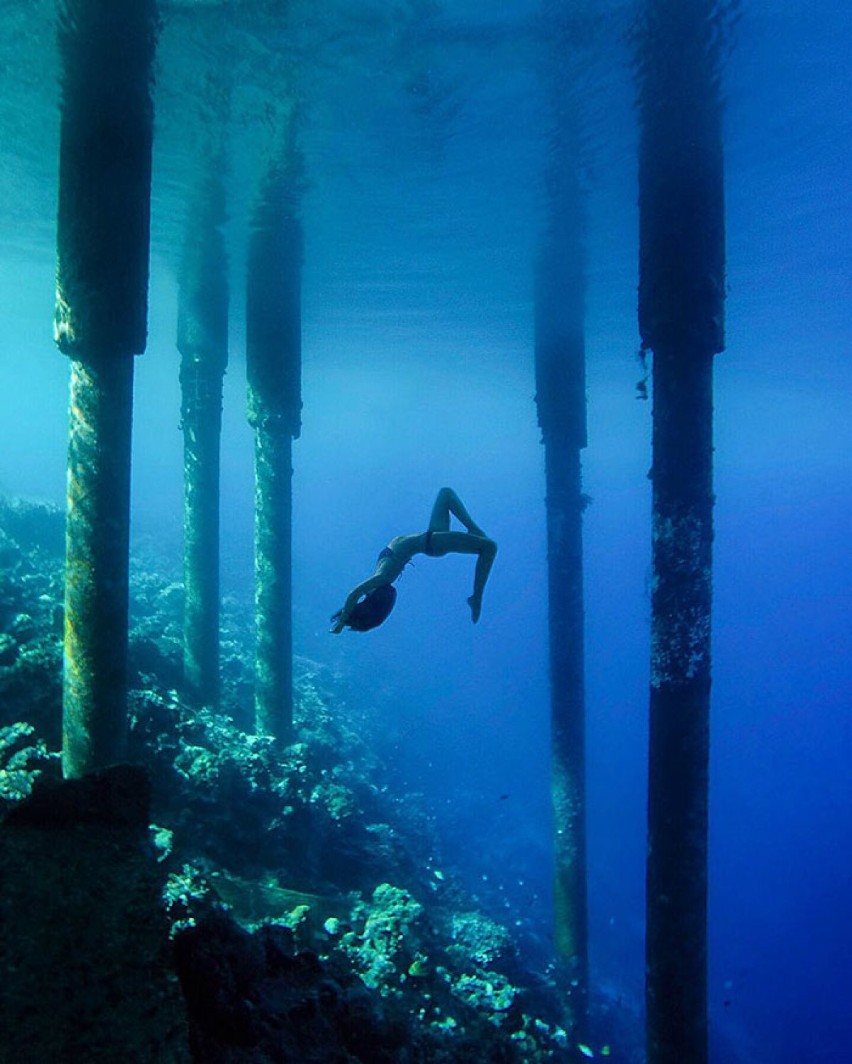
{"x": 106, "y": 53}
{"x": 273, "y": 363}
{"x": 203, "y": 345}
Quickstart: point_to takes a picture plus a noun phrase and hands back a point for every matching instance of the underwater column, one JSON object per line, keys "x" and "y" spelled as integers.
{"x": 560, "y": 367}
{"x": 274, "y": 371}
{"x": 561, "y": 402}
{"x": 106, "y": 52}
{"x": 202, "y": 341}
{"x": 681, "y": 306}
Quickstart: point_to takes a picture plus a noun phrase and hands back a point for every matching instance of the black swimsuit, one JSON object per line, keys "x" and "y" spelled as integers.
{"x": 387, "y": 552}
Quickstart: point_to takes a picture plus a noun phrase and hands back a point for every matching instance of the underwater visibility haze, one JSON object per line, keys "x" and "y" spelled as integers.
{"x": 350, "y": 205}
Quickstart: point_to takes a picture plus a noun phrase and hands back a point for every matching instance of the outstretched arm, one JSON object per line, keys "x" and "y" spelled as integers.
{"x": 357, "y": 592}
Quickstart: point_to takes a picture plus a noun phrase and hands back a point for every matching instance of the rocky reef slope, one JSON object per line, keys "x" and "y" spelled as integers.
{"x": 303, "y": 907}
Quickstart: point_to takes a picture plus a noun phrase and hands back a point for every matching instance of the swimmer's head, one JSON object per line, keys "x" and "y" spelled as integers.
{"x": 372, "y": 610}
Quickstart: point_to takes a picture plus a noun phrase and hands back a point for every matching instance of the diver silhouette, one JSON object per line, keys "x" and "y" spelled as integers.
{"x": 370, "y": 602}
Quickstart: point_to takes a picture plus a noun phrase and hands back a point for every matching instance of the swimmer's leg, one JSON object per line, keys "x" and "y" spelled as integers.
{"x": 485, "y": 550}
{"x": 483, "y": 567}
{"x": 446, "y": 503}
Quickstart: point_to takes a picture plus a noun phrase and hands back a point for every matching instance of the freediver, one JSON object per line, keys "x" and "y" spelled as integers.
{"x": 369, "y": 603}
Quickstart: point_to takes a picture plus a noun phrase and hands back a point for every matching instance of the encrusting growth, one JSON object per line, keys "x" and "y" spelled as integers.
{"x": 203, "y": 344}
{"x": 273, "y": 364}
{"x": 106, "y": 135}
{"x": 681, "y": 305}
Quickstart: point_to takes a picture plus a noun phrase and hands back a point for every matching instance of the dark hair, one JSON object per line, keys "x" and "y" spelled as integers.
{"x": 373, "y": 609}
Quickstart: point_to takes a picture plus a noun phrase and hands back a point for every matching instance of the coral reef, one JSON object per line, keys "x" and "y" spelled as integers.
{"x": 31, "y": 617}
{"x": 19, "y": 761}
{"x": 385, "y": 949}
{"x": 304, "y": 902}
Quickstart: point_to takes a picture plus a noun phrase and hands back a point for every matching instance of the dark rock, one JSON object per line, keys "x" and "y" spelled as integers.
{"x": 84, "y": 944}
{"x": 220, "y": 967}
{"x": 118, "y": 796}
{"x": 250, "y": 999}
{"x": 279, "y": 946}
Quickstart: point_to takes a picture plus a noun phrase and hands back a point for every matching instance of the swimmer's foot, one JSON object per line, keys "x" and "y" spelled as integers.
{"x": 475, "y": 608}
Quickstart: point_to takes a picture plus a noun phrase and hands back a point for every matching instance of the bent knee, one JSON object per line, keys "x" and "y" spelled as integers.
{"x": 489, "y": 548}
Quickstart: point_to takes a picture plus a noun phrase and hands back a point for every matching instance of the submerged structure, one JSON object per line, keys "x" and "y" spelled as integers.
{"x": 681, "y": 307}
{"x": 103, "y": 229}
{"x": 561, "y": 402}
{"x": 273, "y": 367}
{"x": 203, "y": 345}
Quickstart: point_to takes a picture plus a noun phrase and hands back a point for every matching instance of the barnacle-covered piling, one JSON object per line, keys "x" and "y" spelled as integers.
{"x": 203, "y": 345}
{"x": 106, "y": 52}
{"x": 273, "y": 365}
{"x": 681, "y": 293}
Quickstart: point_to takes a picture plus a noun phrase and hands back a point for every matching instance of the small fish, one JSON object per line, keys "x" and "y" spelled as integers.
{"x": 587, "y": 1051}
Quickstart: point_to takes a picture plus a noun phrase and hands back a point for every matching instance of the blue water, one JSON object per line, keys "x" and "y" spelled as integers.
{"x": 418, "y": 373}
